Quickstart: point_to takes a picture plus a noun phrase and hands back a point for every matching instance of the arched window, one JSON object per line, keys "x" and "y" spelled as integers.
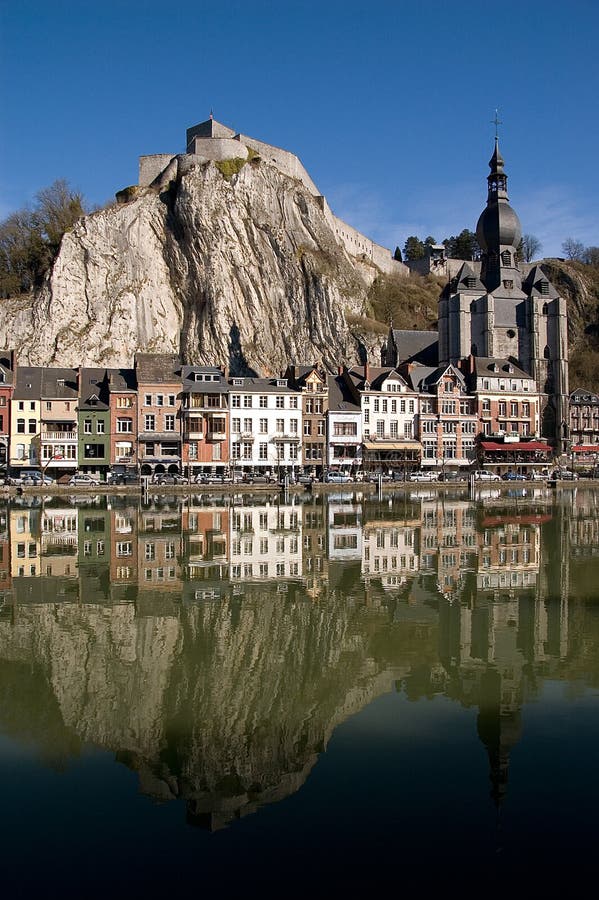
{"x": 546, "y": 353}
{"x": 506, "y": 258}
{"x": 545, "y": 309}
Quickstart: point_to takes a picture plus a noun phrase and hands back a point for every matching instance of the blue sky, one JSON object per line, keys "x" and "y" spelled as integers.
{"x": 388, "y": 104}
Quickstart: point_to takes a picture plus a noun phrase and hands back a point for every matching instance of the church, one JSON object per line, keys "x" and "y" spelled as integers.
{"x": 495, "y": 310}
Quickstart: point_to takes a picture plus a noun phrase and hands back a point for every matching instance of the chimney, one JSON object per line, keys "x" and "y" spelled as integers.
{"x": 13, "y": 360}
{"x": 366, "y": 372}
{"x": 225, "y": 371}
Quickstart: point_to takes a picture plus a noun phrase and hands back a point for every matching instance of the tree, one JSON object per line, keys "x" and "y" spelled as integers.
{"x": 464, "y": 246}
{"x": 413, "y": 249}
{"x": 429, "y": 241}
{"x": 30, "y": 238}
{"x": 529, "y": 247}
{"x": 573, "y": 249}
{"x": 397, "y": 255}
{"x": 591, "y": 256}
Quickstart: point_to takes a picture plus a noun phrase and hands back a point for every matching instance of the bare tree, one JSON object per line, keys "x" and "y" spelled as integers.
{"x": 530, "y": 247}
{"x": 573, "y": 249}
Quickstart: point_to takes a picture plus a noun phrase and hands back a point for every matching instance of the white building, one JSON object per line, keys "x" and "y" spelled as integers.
{"x": 344, "y": 427}
{"x": 266, "y": 425}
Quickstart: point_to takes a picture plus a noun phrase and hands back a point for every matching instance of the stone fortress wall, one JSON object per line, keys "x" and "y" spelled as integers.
{"x": 211, "y": 140}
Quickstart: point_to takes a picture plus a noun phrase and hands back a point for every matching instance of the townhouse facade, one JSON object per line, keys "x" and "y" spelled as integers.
{"x": 162, "y": 417}
{"x": 204, "y": 420}
{"x": 266, "y": 426}
{"x": 159, "y": 413}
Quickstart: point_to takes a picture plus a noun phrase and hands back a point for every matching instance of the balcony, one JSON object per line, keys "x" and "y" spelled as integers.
{"x": 194, "y": 435}
{"x": 289, "y": 438}
{"x": 59, "y": 436}
{"x": 216, "y": 435}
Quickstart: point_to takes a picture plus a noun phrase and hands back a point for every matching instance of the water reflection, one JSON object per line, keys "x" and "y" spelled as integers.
{"x": 215, "y": 643}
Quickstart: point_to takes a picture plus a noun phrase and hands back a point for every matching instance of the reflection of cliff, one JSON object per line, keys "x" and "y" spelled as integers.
{"x": 225, "y": 704}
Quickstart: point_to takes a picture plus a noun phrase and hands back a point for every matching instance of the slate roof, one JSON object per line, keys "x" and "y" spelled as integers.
{"x": 484, "y": 365}
{"x": 93, "y": 382}
{"x": 121, "y": 380}
{"x": 377, "y": 375}
{"x": 467, "y": 273}
{"x": 59, "y": 384}
{"x": 28, "y": 384}
{"x": 157, "y": 368}
{"x": 259, "y": 385}
{"x": 219, "y": 386}
{"x": 341, "y": 398}
{"x": 423, "y": 378}
{"x": 6, "y": 367}
{"x": 580, "y": 395}
{"x": 416, "y": 346}
{"x": 532, "y": 284}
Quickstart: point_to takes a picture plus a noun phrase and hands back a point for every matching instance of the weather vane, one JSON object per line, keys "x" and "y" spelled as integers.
{"x": 496, "y": 122}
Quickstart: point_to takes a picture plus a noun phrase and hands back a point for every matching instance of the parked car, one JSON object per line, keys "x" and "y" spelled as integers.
{"x": 124, "y": 478}
{"x": 83, "y": 479}
{"x": 169, "y": 478}
{"x": 259, "y": 479}
{"x": 513, "y": 476}
{"x": 485, "y": 475}
{"x": 424, "y": 476}
{"x": 451, "y": 476}
{"x": 565, "y": 475}
{"x": 337, "y": 478}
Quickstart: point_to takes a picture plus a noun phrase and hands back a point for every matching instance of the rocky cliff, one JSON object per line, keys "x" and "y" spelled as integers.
{"x": 230, "y": 262}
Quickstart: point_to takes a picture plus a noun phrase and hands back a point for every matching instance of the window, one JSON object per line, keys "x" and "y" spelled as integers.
{"x": 236, "y": 426}
{"x": 376, "y": 404}
{"x": 247, "y": 425}
{"x": 263, "y": 451}
{"x": 149, "y": 423}
{"x": 235, "y": 451}
{"x": 48, "y": 405}
{"x": 171, "y": 399}
{"x": 307, "y": 428}
{"x": 193, "y": 449}
{"x": 32, "y": 426}
{"x": 280, "y": 426}
{"x": 293, "y": 403}
{"x": 407, "y": 429}
{"x": 87, "y": 426}
{"x": 124, "y": 426}
{"x": 280, "y": 402}
{"x": 148, "y": 400}
{"x": 124, "y": 402}
{"x": 263, "y": 401}
{"x": 235, "y": 401}
{"x": 20, "y": 426}
{"x": 513, "y": 409}
{"x": 247, "y": 401}
{"x": 321, "y": 427}
{"x": 100, "y": 426}
{"x": 247, "y": 450}
{"x": 169, "y": 422}
{"x": 159, "y": 399}
{"x": 150, "y": 551}
{"x": 345, "y": 429}
{"x": 293, "y": 424}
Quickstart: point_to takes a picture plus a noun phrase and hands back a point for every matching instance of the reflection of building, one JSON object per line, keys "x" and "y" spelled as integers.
{"x": 266, "y": 542}
{"x": 314, "y": 541}
{"x": 59, "y": 541}
{"x": 390, "y": 553}
{"x": 509, "y": 554}
{"x": 448, "y": 542}
{"x": 205, "y": 532}
{"x": 345, "y": 529}
{"x": 123, "y": 548}
{"x": 25, "y": 542}
{"x": 159, "y": 550}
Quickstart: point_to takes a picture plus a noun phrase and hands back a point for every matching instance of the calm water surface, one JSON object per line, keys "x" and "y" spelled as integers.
{"x": 276, "y": 695}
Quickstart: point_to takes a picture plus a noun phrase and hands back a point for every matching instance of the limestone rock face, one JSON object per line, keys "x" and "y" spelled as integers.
{"x": 238, "y": 268}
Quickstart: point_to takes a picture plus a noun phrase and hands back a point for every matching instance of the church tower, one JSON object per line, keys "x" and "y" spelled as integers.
{"x": 491, "y": 309}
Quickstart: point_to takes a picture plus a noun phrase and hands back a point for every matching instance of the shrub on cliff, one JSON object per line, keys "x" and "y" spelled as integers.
{"x": 30, "y": 238}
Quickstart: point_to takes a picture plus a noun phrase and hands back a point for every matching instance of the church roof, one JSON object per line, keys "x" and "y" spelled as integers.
{"x": 468, "y": 280}
{"x": 534, "y": 282}
{"x": 416, "y": 346}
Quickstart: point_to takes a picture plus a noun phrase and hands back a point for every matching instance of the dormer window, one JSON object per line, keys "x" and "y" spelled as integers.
{"x": 238, "y": 381}
{"x": 544, "y": 288}
{"x": 281, "y": 382}
{"x": 506, "y": 258}
{"x": 197, "y": 376}
{"x": 470, "y": 282}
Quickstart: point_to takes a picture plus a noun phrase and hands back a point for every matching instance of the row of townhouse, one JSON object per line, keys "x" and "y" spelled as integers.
{"x": 162, "y": 416}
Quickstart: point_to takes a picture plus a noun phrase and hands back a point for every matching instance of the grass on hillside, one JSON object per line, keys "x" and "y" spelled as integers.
{"x": 409, "y": 303}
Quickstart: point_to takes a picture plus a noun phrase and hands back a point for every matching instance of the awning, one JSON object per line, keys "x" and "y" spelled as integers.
{"x": 391, "y": 445}
{"x": 519, "y": 446}
{"x": 585, "y": 448}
